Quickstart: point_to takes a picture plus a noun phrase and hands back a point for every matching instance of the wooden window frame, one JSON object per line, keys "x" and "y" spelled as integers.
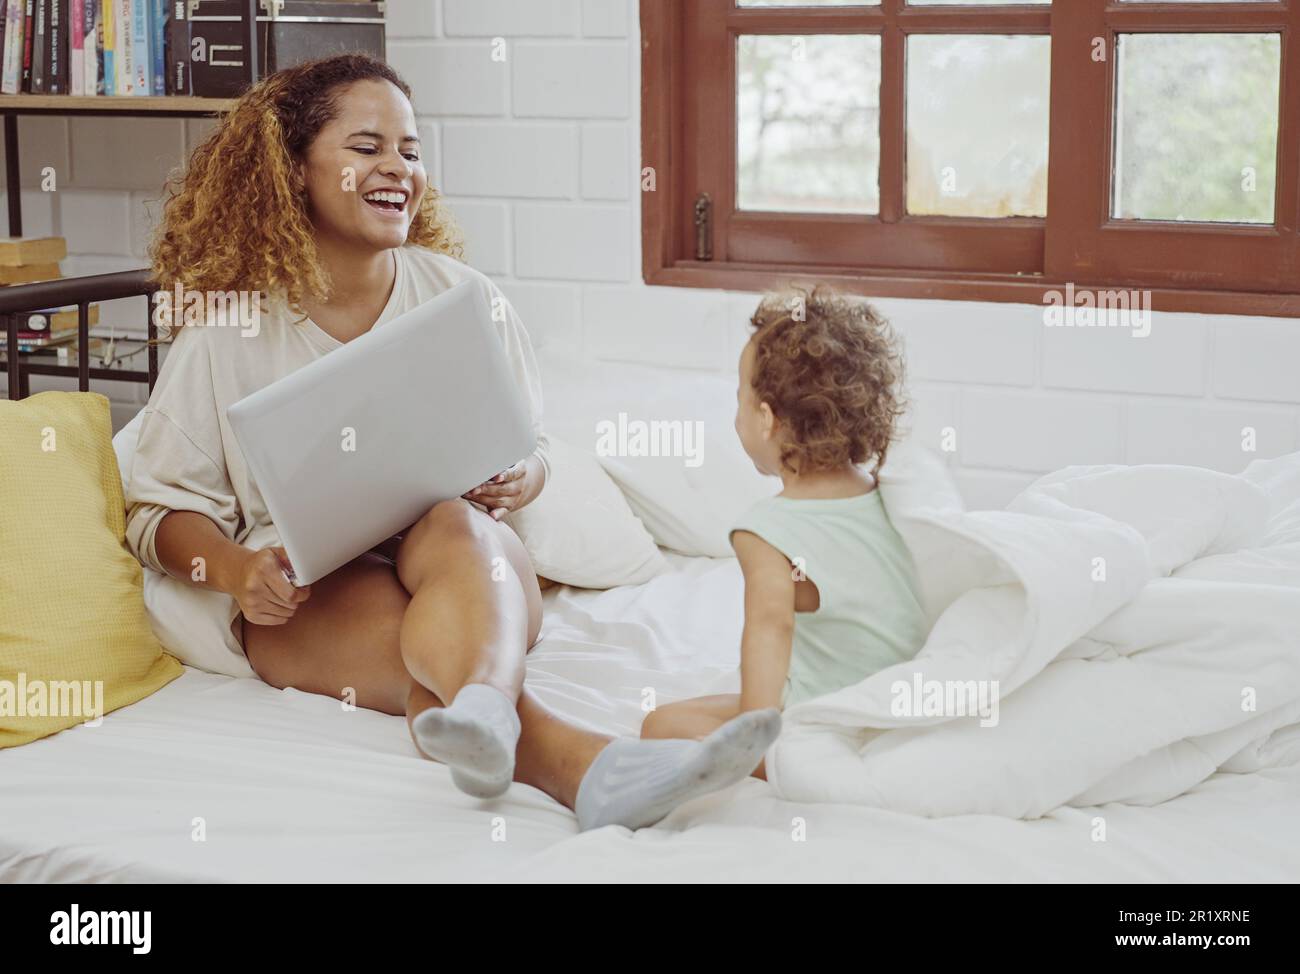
{"x": 688, "y": 140}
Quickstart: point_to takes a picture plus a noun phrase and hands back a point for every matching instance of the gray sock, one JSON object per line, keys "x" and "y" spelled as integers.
{"x": 635, "y": 783}
{"x": 475, "y": 737}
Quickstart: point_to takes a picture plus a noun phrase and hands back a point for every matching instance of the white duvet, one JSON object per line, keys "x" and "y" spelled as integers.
{"x": 291, "y": 785}
{"x": 1142, "y": 624}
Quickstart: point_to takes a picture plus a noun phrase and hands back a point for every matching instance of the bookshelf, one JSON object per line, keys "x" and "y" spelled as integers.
{"x": 182, "y": 105}
{"x": 125, "y": 106}
{"x": 121, "y": 106}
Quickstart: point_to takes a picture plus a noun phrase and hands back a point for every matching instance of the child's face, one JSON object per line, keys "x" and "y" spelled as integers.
{"x": 756, "y": 425}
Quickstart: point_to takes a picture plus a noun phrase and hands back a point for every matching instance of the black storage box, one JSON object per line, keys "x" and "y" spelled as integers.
{"x": 288, "y": 33}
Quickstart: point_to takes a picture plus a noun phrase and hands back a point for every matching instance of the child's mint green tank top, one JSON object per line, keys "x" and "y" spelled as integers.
{"x": 869, "y": 616}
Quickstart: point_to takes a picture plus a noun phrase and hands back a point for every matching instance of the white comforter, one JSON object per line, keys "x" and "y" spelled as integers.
{"x": 1142, "y": 624}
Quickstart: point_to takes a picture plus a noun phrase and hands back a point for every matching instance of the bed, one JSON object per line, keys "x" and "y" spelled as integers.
{"x": 291, "y": 787}
{"x": 221, "y": 779}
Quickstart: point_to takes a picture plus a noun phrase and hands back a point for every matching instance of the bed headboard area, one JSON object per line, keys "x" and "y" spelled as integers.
{"x": 80, "y": 292}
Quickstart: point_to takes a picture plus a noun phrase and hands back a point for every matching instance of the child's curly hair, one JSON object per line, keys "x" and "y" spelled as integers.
{"x": 830, "y": 368}
{"x": 236, "y": 216}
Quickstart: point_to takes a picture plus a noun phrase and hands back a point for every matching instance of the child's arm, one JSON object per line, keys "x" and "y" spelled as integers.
{"x": 769, "y": 621}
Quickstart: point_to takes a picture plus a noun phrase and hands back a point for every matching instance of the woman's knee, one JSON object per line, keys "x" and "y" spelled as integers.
{"x": 446, "y": 530}
{"x": 457, "y": 533}
{"x": 456, "y": 519}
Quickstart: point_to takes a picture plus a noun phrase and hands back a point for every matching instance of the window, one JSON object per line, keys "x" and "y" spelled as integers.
{"x": 970, "y": 149}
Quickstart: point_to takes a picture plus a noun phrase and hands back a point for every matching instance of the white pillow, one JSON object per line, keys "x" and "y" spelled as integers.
{"x": 689, "y": 509}
{"x": 580, "y": 530}
{"x": 192, "y": 623}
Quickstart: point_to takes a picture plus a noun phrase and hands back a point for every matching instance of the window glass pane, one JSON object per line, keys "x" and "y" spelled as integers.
{"x": 977, "y": 124}
{"x": 977, "y": 3}
{"x": 808, "y": 122}
{"x": 807, "y": 3}
{"x": 1196, "y": 127}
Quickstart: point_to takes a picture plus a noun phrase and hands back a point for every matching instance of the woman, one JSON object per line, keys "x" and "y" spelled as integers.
{"x": 312, "y": 191}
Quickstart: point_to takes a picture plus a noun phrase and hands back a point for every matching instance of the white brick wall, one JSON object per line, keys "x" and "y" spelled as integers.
{"x": 1256, "y": 359}
{"x": 510, "y": 18}
{"x": 601, "y": 18}
{"x": 607, "y": 169}
{"x": 577, "y": 242}
{"x": 1037, "y": 432}
{"x": 452, "y": 79}
{"x": 1206, "y": 434}
{"x": 583, "y": 79}
{"x": 538, "y": 154}
{"x": 510, "y": 159}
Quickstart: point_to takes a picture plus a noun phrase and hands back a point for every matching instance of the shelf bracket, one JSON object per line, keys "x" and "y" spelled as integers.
{"x": 13, "y": 183}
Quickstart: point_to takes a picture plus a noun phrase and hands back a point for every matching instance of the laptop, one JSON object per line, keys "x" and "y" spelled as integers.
{"x": 356, "y": 446}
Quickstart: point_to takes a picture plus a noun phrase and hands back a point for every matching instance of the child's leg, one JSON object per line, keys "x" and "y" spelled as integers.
{"x": 694, "y": 719}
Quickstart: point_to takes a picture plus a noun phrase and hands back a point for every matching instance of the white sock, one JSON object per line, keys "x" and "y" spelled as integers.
{"x": 475, "y": 737}
{"x": 635, "y": 783}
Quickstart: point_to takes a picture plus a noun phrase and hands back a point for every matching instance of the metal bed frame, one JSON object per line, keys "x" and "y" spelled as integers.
{"x": 80, "y": 291}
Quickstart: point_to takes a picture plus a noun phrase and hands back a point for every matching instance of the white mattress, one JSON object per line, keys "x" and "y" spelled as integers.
{"x": 290, "y": 787}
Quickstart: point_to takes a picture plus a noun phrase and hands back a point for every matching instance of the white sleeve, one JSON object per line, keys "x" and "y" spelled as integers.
{"x": 523, "y": 364}
{"x": 179, "y": 463}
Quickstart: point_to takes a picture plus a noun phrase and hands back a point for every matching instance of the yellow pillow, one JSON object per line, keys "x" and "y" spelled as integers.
{"x": 75, "y": 642}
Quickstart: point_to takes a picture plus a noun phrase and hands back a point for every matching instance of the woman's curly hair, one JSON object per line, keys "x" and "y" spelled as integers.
{"x": 830, "y": 368}
{"x": 235, "y": 217}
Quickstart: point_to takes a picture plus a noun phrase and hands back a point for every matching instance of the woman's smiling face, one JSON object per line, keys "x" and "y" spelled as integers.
{"x": 374, "y": 137}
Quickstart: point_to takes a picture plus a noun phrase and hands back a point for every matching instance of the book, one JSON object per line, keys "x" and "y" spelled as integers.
{"x": 29, "y": 273}
{"x": 30, "y": 346}
{"x": 53, "y": 321}
{"x": 40, "y": 41}
{"x": 108, "y": 45}
{"x": 55, "y": 326}
{"x": 101, "y": 11}
{"x": 65, "y": 353}
{"x": 124, "y": 50}
{"x": 91, "y": 22}
{"x": 157, "y": 54}
{"x": 12, "y": 77}
{"x": 141, "y": 61}
{"x": 38, "y": 339}
{"x": 56, "y": 48}
{"x": 77, "y": 47}
{"x": 29, "y": 26}
{"x": 178, "y": 48}
{"x": 23, "y": 251}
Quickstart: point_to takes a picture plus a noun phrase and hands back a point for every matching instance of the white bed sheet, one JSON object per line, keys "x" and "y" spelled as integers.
{"x": 290, "y": 787}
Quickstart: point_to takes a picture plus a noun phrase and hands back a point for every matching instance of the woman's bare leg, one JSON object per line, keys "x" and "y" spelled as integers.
{"x": 350, "y": 633}
{"x": 475, "y": 607}
{"x": 553, "y": 754}
{"x": 402, "y": 653}
{"x": 344, "y": 637}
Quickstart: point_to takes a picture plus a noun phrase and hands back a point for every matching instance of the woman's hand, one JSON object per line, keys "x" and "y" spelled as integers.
{"x": 264, "y": 593}
{"x": 511, "y": 489}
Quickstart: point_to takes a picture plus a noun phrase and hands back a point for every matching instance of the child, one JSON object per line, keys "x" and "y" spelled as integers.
{"x": 830, "y": 589}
